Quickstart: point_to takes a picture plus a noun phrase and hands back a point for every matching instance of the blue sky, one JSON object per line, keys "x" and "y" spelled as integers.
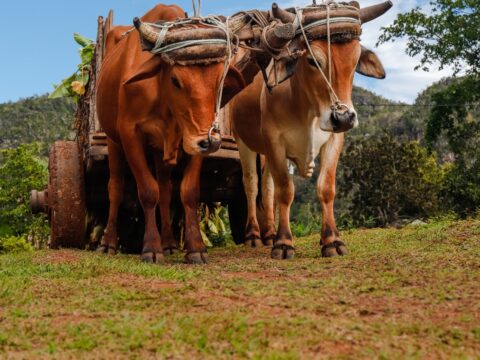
{"x": 38, "y": 48}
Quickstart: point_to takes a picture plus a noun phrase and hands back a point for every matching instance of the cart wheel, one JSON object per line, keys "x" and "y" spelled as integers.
{"x": 237, "y": 214}
{"x": 66, "y": 191}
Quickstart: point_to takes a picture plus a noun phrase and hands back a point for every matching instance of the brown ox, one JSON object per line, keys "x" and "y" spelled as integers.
{"x": 144, "y": 102}
{"x": 297, "y": 123}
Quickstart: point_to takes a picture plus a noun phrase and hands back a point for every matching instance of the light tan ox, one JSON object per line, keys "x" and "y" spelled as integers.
{"x": 296, "y": 122}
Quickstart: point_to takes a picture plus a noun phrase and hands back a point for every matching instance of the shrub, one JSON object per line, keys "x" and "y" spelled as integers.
{"x": 306, "y": 218}
{"x": 20, "y": 171}
{"x": 387, "y": 180}
{"x": 14, "y": 244}
{"x": 462, "y": 186}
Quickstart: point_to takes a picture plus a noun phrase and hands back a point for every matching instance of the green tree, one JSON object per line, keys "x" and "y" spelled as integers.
{"x": 455, "y": 115}
{"x": 20, "y": 171}
{"x": 387, "y": 180}
{"x": 459, "y": 123}
{"x": 448, "y": 35}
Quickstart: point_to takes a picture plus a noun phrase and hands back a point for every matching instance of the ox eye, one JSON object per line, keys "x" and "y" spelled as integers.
{"x": 311, "y": 62}
{"x": 176, "y": 83}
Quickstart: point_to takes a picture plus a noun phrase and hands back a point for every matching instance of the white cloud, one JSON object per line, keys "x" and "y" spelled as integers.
{"x": 403, "y": 83}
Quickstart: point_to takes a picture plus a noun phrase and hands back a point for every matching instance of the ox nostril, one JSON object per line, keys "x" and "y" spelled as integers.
{"x": 352, "y": 117}
{"x": 204, "y": 144}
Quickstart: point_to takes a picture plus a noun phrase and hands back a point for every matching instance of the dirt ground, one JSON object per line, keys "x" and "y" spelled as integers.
{"x": 410, "y": 293}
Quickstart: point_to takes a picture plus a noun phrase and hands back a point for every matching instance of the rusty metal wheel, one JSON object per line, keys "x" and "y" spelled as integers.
{"x": 66, "y": 193}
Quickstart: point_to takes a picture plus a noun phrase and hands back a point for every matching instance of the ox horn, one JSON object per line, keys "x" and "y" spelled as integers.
{"x": 146, "y": 31}
{"x": 285, "y": 16}
{"x": 372, "y": 12}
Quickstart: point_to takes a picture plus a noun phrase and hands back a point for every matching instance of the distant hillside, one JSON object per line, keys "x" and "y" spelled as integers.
{"x": 375, "y": 119}
{"x": 39, "y": 119}
{"x": 35, "y": 119}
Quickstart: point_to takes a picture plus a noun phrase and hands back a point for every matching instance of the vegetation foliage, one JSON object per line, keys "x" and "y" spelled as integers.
{"x": 446, "y": 35}
{"x": 35, "y": 120}
{"x": 75, "y": 85}
{"x": 21, "y": 170}
{"x": 386, "y": 180}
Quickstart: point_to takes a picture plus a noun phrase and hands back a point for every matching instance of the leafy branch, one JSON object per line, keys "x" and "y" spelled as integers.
{"x": 74, "y": 86}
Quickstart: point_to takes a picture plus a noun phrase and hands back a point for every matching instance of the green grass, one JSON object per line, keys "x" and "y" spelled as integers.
{"x": 410, "y": 293}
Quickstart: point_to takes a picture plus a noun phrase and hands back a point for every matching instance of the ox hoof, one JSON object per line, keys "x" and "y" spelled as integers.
{"x": 196, "y": 258}
{"x": 102, "y": 249}
{"x": 106, "y": 249}
{"x": 254, "y": 243}
{"x": 170, "y": 251}
{"x": 283, "y": 252}
{"x": 268, "y": 241}
{"x": 152, "y": 257}
{"x": 333, "y": 249}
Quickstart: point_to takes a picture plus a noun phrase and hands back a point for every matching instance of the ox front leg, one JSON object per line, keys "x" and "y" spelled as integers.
{"x": 190, "y": 194}
{"x": 164, "y": 172}
{"x": 268, "y": 229}
{"x": 116, "y": 164}
{"x": 284, "y": 193}
{"x": 330, "y": 241}
{"x": 250, "y": 183}
{"x": 148, "y": 194}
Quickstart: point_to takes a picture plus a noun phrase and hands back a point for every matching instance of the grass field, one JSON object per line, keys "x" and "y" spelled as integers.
{"x": 411, "y": 293}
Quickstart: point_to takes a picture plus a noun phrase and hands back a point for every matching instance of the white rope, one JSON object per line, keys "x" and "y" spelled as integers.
{"x": 197, "y": 11}
{"x": 325, "y": 21}
{"x": 161, "y": 37}
{"x": 216, "y": 124}
{"x": 335, "y": 100}
{"x": 187, "y": 43}
{"x": 329, "y": 41}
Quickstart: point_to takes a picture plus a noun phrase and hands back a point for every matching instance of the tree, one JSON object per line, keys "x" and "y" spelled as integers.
{"x": 20, "y": 172}
{"x": 387, "y": 180}
{"x": 459, "y": 123}
{"x": 448, "y": 35}
{"x": 455, "y": 114}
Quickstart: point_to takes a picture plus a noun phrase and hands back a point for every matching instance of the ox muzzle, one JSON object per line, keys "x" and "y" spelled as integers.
{"x": 339, "y": 119}
{"x": 343, "y": 119}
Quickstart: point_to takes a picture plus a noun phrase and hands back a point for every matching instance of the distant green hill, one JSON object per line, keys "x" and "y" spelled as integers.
{"x": 378, "y": 114}
{"x": 39, "y": 119}
{"x": 35, "y": 119}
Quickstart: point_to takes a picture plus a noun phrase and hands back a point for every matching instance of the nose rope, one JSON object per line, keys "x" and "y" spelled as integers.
{"x": 216, "y": 124}
{"x": 336, "y": 103}
{"x": 197, "y": 11}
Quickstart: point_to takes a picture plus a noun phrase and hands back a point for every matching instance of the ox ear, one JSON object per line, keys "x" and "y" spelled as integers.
{"x": 146, "y": 70}
{"x": 370, "y": 65}
{"x": 234, "y": 83}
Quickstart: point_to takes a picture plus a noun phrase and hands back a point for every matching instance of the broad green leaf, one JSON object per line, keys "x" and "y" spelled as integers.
{"x": 86, "y": 54}
{"x": 81, "y": 40}
{"x": 212, "y": 227}
{"x": 205, "y": 239}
